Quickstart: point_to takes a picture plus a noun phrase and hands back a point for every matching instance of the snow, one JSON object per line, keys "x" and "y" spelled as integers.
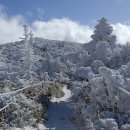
{"x": 3, "y": 108}
{"x": 19, "y": 90}
{"x": 65, "y": 98}
{"x": 26, "y": 128}
{"x": 59, "y": 112}
{"x": 98, "y": 74}
{"x": 124, "y": 91}
{"x": 40, "y": 127}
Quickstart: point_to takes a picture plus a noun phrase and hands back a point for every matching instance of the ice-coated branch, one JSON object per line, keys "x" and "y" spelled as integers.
{"x": 6, "y": 106}
{"x": 19, "y": 90}
{"x": 124, "y": 91}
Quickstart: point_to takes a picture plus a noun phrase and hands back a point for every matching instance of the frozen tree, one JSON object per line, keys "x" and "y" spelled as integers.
{"x": 26, "y": 33}
{"x": 103, "y": 32}
{"x": 103, "y": 45}
{"x": 28, "y": 53}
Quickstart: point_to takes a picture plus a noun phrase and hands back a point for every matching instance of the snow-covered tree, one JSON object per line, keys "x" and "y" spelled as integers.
{"x": 103, "y": 32}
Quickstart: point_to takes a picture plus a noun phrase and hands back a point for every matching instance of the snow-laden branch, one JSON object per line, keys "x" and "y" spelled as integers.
{"x": 6, "y": 106}
{"x": 124, "y": 91}
{"x": 8, "y": 94}
{"x": 19, "y": 90}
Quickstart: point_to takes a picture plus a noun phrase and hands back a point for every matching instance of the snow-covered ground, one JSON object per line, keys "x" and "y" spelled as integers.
{"x": 59, "y": 112}
{"x": 58, "y": 115}
{"x": 65, "y": 98}
{"x": 98, "y": 73}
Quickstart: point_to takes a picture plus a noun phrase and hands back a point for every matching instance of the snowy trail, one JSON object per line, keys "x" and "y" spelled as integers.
{"x": 59, "y": 113}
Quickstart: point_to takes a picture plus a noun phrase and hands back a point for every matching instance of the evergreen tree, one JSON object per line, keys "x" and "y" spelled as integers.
{"x": 103, "y": 32}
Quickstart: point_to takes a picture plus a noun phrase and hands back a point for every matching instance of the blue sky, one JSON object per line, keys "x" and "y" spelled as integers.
{"x": 67, "y": 20}
{"x": 83, "y": 11}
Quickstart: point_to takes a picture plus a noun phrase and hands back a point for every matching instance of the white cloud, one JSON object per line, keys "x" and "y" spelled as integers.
{"x": 68, "y": 30}
{"x": 62, "y": 29}
{"x": 10, "y": 28}
{"x": 57, "y": 29}
{"x": 122, "y": 31}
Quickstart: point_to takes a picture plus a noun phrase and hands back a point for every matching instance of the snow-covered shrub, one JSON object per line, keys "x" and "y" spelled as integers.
{"x": 125, "y": 70}
{"x": 125, "y": 127}
{"x": 116, "y": 88}
{"x": 82, "y": 73}
{"x": 125, "y": 53}
{"x": 26, "y": 106}
{"x": 107, "y": 91}
{"x": 96, "y": 65}
{"x": 106, "y": 124}
{"x": 24, "y": 112}
{"x": 84, "y": 58}
{"x": 103, "y": 52}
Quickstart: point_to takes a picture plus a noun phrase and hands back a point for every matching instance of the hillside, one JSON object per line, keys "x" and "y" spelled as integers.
{"x": 34, "y": 72}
